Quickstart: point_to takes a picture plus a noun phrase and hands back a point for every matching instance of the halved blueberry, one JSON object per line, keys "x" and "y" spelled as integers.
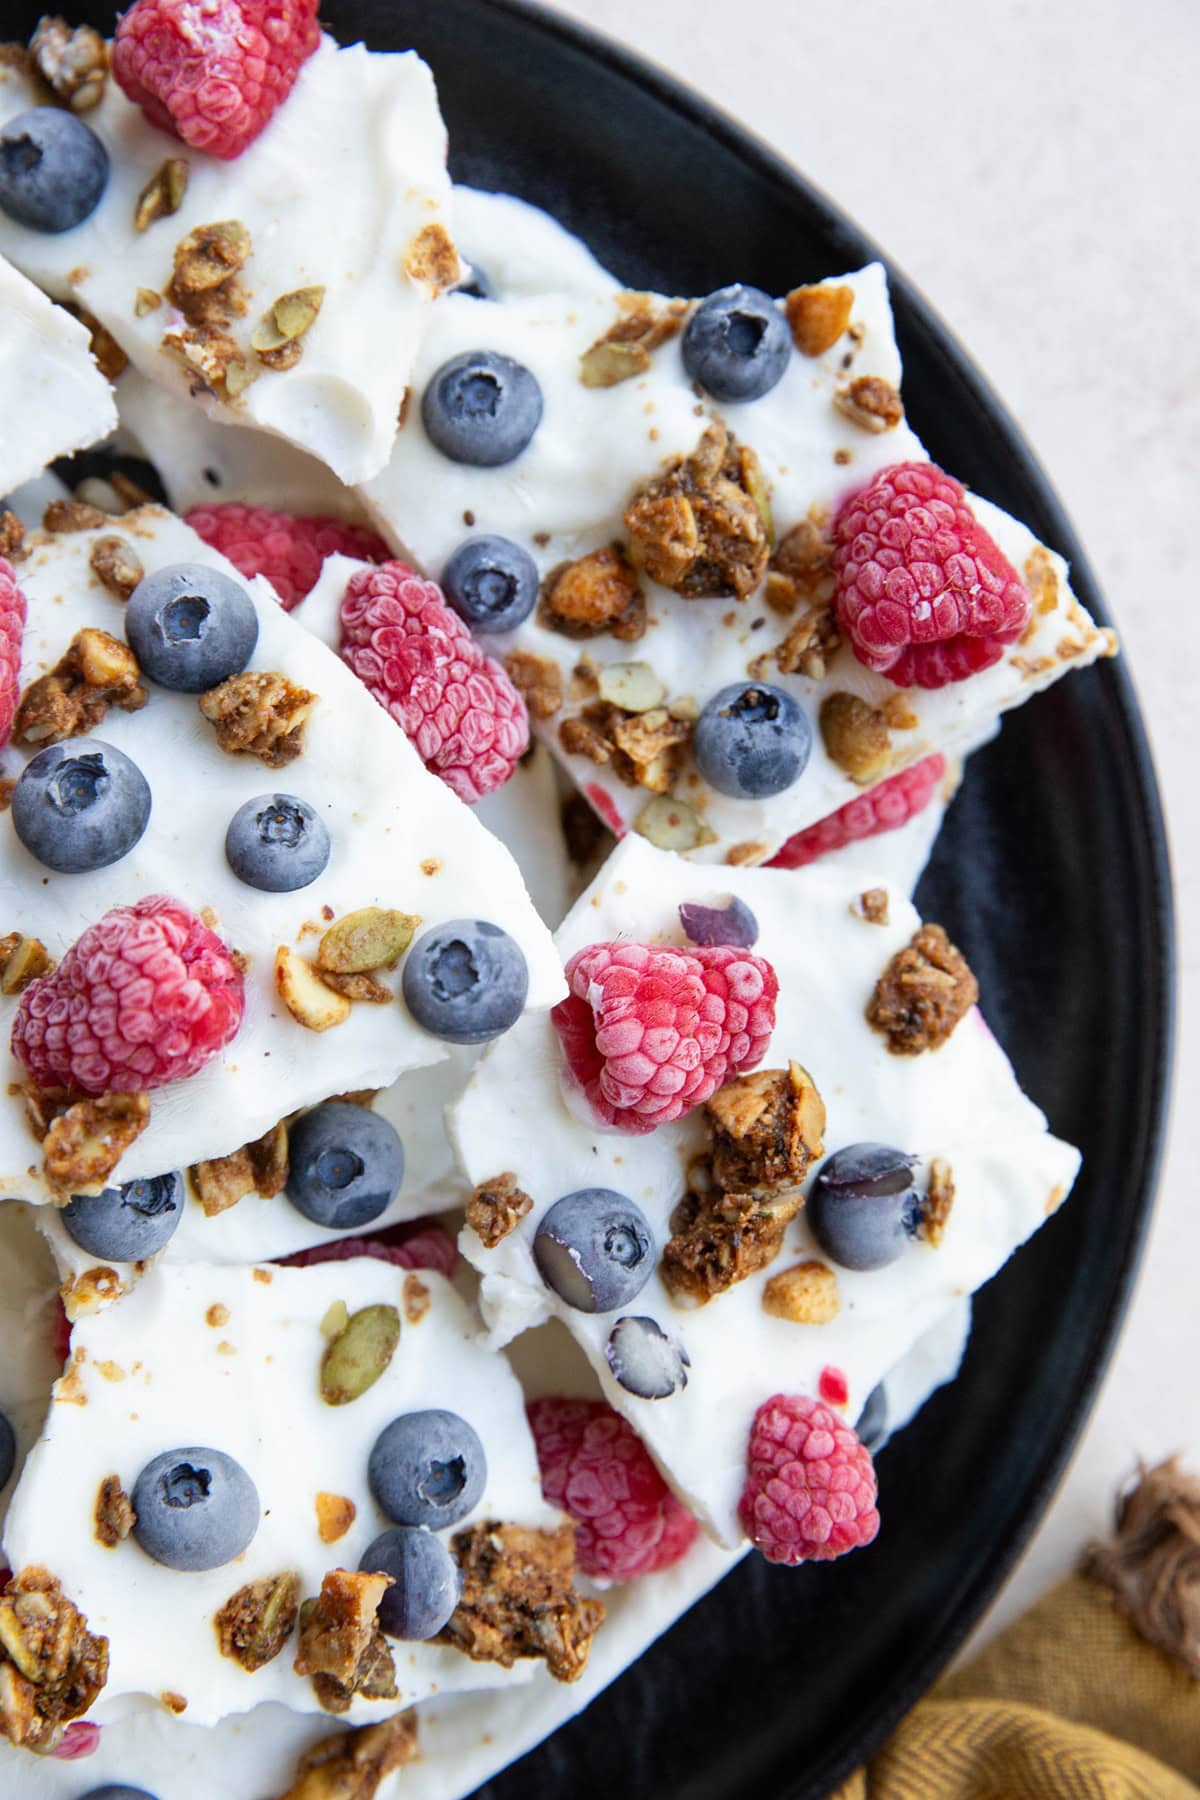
{"x": 196, "y": 1509}
{"x": 427, "y": 1468}
{"x": 345, "y": 1165}
{"x": 277, "y": 843}
{"x": 465, "y": 981}
{"x": 645, "y": 1360}
{"x": 492, "y": 583}
{"x": 77, "y": 809}
{"x": 865, "y": 1207}
{"x": 737, "y": 344}
{"x": 752, "y": 741}
{"x": 730, "y": 923}
{"x": 53, "y": 169}
{"x": 8, "y": 1449}
{"x": 127, "y": 1223}
{"x": 425, "y": 1577}
{"x": 595, "y": 1248}
{"x": 190, "y": 627}
{"x": 481, "y": 408}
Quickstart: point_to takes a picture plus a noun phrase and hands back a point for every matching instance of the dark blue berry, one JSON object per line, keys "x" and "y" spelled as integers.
{"x": 595, "y": 1248}
{"x": 196, "y": 1509}
{"x": 425, "y": 1577}
{"x": 645, "y": 1360}
{"x": 191, "y": 627}
{"x": 8, "y": 1449}
{"x": 872, "y": 1424}
{"x": 466, "y": 981}
{"x": 737, "y": 344}
{"x": 476, "y": 284}
{"x": 79, "y": 809}
{"x": 752, "y": 741}
{"x": 345, "y": 1165}
{"x": 277, "y": 843}
{"x": 127, "y": 1223}
{"x": 53, "y": 169}
{"x": 864, "y": 1206}
{"x": 427, "y": 1468}
{"x": 481, "y": 408}
{"x": 492, "y": 583}
{"x": 118, "y": 1792}
{"x": 732, "y": 923}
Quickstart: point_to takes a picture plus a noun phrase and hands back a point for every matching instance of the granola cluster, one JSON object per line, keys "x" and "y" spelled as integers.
{"x": 52, "y": 1668}
{"x": 341, "y": 1645}
{"x": 205, "y": 287}
{"x": 922, "y": 994}
{"x": 85, "y": 1138}
{"x": 643, "y": 323}
{"x": 496, "y": 1207}
{"x": 95, "y": 671}
{"x": 703, "y": 528}
{"x": 519, "y": 1599}
{"x": 258, "y": 1168}
{"x": 255, "y": 1623}
{"x": 259, "y": 713}
{"x": 351, "y": 1765}
{"x": 596, "y": 595}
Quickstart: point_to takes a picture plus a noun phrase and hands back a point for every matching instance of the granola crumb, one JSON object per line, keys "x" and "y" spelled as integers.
{"x": 72, "y": 61}
{"x": 899, "y": 712}
{"x": 538, "y": 680}
{"x": 818, "y": 316}
{"x": 416, "y": 1299}
{"x": 22, "y": 960}
{"x": 855, "y": 735}
{"x": 806, "y": 1294}
{"x": 870, "y": 403}
{"x": 258, "y": 1168}
{"x": 703, "y": 527}
{"x": 217, "y": 1315}
{"x": 95, "y": 671}
{"x": 12, "y": 536}
{"x": 115, "y": 566}
{"x": 351, "y": 1765}
{"x": 259, "y": 713}
{"x": 645, "y": 749}
{"x": 341, "y": 1645}
{"x": 114, "y": 1516}
{"x": 643, "y": 323}
{"x": 872, "y": 906}
{"x": 174, "y": 1703}
{"x": 72, "y": 515}
{"x": 432, "y": 258}
{"x": 335, "y": 1515}
{"x": 86, "y": 1142}
{"x": 939, "y": 1199}
{"x": 595, "y": 595}
{"x": 163, "y": 194}
{"x": 495, "y": 1207}
{"x": 746, "y": 855}
{"x": 107, "y": 354}
{"x": 922, "y": 994}
{"x": 52, "y": 1668}
{"x": 518, "y": 1599}
{"x": 255, "y": 1623}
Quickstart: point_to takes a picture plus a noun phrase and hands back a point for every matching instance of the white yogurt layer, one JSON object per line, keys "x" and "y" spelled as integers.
{"x": 400, "y": 839}
{"x": 53, "y": 398}
{"x": 960, "y": 1102}
{"x": 522, "y": 250}
{"x": 152, "y": 1373}
{"x": 347, "y": 222}
{"x": 566, "y": 493}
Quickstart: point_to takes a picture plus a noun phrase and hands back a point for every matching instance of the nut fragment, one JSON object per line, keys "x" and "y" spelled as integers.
{"x": 114, "y": 1516}
{"x": 335, "y": 1515}
{"x": 871, "y": 403}
{"x": 855, "y": 735}
{"x": 163, "y": 193}
{"x": 22, "y": 960}
{"x": 672, "y": 824}
{"x": 939, "y": 1199}
{"x": 209, "y": 256}
{"x": 72, "y": 61}
{"x": 341, "y": 1645}
{"x": 807, "y": 1294}
{"x": 596, "y": 594}
{"x": 72, "y": 515}
{"x": 51, "y": 1666}
{"x": 95, "y": 671}
{"x": 12, "y": 536}
{"x": 371, "y": 938}
{"x": 258, "y": 1168}
{"x": 352, "y": 1764}
{"x": 116, "y": 566}
{"x": 643, "y": 323}
{"x": 496, "y": 1207}
{"x": 417, "y": 1299}
{"x": 359, "y": 1355}
{"x": 703, "y": 528}
{"x": 362, "y": 988}
{"x": 432, "y": 258}
{"x": 259, "y": 713}
{"x": 86, "y": 1142}
{"x": 291, "y": 316}
{"x": 146, "y": 300}
{"x": 518, "y": 1599}
{"x": 255, "y": 1623}
{"x": 538, "y": 680}
{"x": 922, "y": 994}
{"x": 872, "y": 906}
{"x": 310, "y": 1002}
{"x": 818, "y": 316}
{"x": 633, "y": 686}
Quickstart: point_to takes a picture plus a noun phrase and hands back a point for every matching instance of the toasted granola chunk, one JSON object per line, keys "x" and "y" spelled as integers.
{"x": 258, "y": 1168}
{"x": 86, "y": 1142}
{"x": 205, "y": 290}
{"x": 538, "y": 680}
{"x": 351, "y": 1765}
{"x": 22, "y": 960}
{"x": 519, "y": 1599}
{"x": 871, "y": 403}
{"x": 255, "y": 1623}
{"x": 432, "y": 258}
{"x": 702, "y": 529}
{"x": 939, "y": 1199}
{"x": 72, "y": 61}
{"x": 805, "y": 1294}
{"x": 922, "y": 994}
{"x": 818, "y": 316}
{"x": 114, "y": 1516}
{"x": 496, "y": 1207}
{"x": 259, "y": 713}
{"x": 644, "y": 748}
{"x": 72, "y": 515}
{"x": 107, "y": 355}
{"x": 596, "y": 595}
{"x": 856, "y": 737}
{"x": 116, "y": 566}
{"x": 642, "y": 324}
{"x": 51, "y": 1666}
{"x": 12, "y": 536}
{"x": 95, "y": 671}
{"x": 341, "y": 1644}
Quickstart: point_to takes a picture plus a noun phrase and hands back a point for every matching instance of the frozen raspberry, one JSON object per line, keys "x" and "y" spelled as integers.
{"x": 212, "y": 74}
{"x": 885, "y": 807}
{"x": 457, "y": 707}
{"x": 421, "y": 1244}
{"x": 923, "y": 593}
{"x": 80, "y": 1739}
{"x": 810, "y": 1483}
{"x": 147, "y": 995}
{"x": 594, "y": 1465}
{"x": 288, "y": 548}
{"x": 650, "y": 1033}
{"x": 60, "y": 1331}
{"x": 12, "y": 630}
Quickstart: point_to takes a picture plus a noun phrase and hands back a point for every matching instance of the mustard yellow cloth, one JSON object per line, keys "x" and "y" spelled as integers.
{"x": 1069, "y": 1704}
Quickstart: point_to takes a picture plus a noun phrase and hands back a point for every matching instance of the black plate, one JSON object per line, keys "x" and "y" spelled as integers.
{"x": 1051, "y": 873}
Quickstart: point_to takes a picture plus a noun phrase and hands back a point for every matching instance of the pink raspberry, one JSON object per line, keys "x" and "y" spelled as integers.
{"x": 79, "y": 1740}
{"x": 457, "y": 706}
{"x": 650, "y": 1033}
{"x": 60, "y": 1331}
{"x": 421, "y": 1244}
{"x": 12, "y": 630}
{"x": 810, "y": 1483}
{"x": 923, "y": 593}
{"x": 885, "y": 807}
{"x": 147, "y": 995}
{"x": 213, "y": 71}
{"x": 594, "y": 1465}
{"x": 288, "y": 548}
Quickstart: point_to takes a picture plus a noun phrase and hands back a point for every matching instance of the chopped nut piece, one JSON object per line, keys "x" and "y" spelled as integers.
{"x": 495, "y": 1207}
{"x": 1041, "y": 578}
{"x": 807, "y": 1294}
{"x": 341, "y": 1644}
{"x": 287, "y": 320}
{"x": 72, "y": 61}
{"x": 633, "y": 686}
{"x": 806, "y": 649}
{"x": 922, "y": 994}
{"x": 371, "y": 938}
{"x": 22, "y": 960}
{"x": 72, "y": 515}
{"x": 939, "y": 1199}
{"x": 257, "y": 1168}
{"x": 641, "y": 326}
{"x": 307, "y": 998}
{"x": 645, "y": 749}
{"x": 359, "y": 1354}
{"x": 259, "y": 713}
{"x": 432, "y": 258}
{"x": 86, "y": 1142}
{"x": 538, "y": 681}
{"x": 96, "y": 671}
{"x": 255, "y": 1623}
{"x": 873, "y": 906}
{"x": 519, "y": 1599}
{"x": 107, "y": 354}
{"x": 163, "y": 193}
{"x": 818, "y": 316}
{"x": 871, "y": 403}
{"x": 361, "y": 987}
{"x": 596, "y": 594}
{"x": 12, "y": 536}
{"x": 44, "y": 1105}
{"x": 115, "y": 565}
{"x": 114, "y": 1515}
{"x": 801, "y": 569}
{"x": 51, "y": 1666}
{"x": 579, "y": 738}
{"x": 700, "y": 528}
{"x": 335, "y": 1515}
{"x": 205, "y": 289}
{"x": 146, "y": 300}
{"x": 351, "y": 1765}
{"x": 417, "y": 1299}
{"x": 856, "y": 737}
{"x": 208, "y": 257}
{"x": 672, "y": 824}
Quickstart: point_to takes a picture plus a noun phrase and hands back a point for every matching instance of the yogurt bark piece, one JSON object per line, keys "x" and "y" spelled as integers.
{"x": 957, "y": 1108}
{"x": 232, "y": 1360}
{"x": 360, "y": 235}
{"x": 514, "y": 249}
{"x": 625, "y": 736}
{"x": 399, "y": 840}
{"x": 53, "y": 398}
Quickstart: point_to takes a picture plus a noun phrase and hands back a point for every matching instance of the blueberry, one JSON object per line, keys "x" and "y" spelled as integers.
{"x": 465, "y": 981}
{"x": 476, "y": 284}
{"x": 345, "y": 1164}
{"x": 127, "y": 1223}
{"x": 53, "y": 169}
{"x": 118, "y": 1791}
{"x": 8, "y": 1449}
{"x": 277, "y": 843}
{"x": 872, "y": 1423}
{"x": 427, "y": 1468}
{"x": 491, "y": 583}
{"x": 80, "y": 809}
{"x": 481, "y": 408}
{"x": 864, "y": 1206}
{"x": 645, "y": 1360}
{"x": 196, "y": 1509}
{"x": 752, "y": 741}
{"x": 426, "y": 1581}
{"x": 732, "y": 923}
{"x": 737, "y": 344}
{"x": 190, "y": 627}
{"x": 595, "y": 1248}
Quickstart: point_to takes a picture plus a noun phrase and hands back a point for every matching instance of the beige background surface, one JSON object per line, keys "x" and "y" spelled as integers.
{"x": 1030, "y": 163}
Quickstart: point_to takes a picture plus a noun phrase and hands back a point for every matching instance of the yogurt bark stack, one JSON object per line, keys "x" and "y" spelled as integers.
{"x": 484, "y": 587}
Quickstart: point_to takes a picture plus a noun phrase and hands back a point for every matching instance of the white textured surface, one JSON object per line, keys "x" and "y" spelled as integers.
{"x": 53, "y": 398}
{"x": 1030, "y": 163}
